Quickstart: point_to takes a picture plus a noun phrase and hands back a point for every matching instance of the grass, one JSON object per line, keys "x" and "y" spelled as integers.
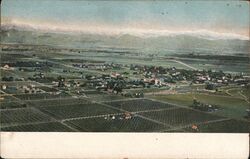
{"x": 246, "y": 92}
{"x": 231, "y": 107}
{"x": 197, "y": 86}
{"x": 235, "y": 92}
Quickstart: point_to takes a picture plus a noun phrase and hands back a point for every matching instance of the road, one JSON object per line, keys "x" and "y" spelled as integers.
{"x": 245, "y": 97}
{"x": 182, "y": 63}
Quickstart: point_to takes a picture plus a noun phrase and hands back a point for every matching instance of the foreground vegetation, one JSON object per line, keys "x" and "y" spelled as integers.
{"x": 231, "y": 106}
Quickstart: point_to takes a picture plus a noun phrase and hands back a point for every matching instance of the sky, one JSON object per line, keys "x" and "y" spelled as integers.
{"x": 231, "y": 17}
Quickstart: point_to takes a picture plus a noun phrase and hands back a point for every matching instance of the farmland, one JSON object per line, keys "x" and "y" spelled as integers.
{"x": 21, "y": 116}
{"x": 75, "y": 111}
{"x": 231, "y": 106}
{"x": 222, "y": 126}
{"x": 139, "y": 105}
{"x": 99, "y": 124}
{"x": 67, "y": 90}
{"x": 39, "y": 96}
{"x": 180, "y": 116}
{"x": 42, "y": 127}
{"x": 99, "y": 96}
{"x": 12, "y": 105}
{"x": 58, "y": 102}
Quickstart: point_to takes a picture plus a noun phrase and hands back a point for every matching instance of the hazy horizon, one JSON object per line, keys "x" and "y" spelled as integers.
{"x": 216, "y": 20}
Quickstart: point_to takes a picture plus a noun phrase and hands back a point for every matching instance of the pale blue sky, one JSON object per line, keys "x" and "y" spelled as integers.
{"x": 223, "y": 15}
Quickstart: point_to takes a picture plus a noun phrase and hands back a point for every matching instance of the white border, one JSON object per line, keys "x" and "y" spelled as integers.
{"x": 124, "y": 145}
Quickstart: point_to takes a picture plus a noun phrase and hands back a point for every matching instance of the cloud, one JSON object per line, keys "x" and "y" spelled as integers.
{"x": 136, "y": 29}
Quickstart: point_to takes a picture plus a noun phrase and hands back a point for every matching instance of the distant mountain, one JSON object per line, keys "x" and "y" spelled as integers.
{"x": 164, "y": 44}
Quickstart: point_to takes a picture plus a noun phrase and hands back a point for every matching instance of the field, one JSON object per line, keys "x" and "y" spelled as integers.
{"x": 105, "y": 97}
{"x": 99, "y": 124}
{"x": 180, "y": 116}
{"x": 223, "y": 126}
{"x": 79, "y": 110}
{"x": 139, "y": 105}
{"x": 42, "y": 127}
{"x": 19, "y": 83}
{"x": 82, "y": 115}
{"x": 39, "y": 96}
{"x": 231, "y": 106}
{"x": 22, "y": 116}
{"x": 100, "y": 97}
{"x": 11, "y": 105}
{"x": 216, "y": 64}
{"x": 48, "y": 89}
{"x": 58, "y": 102}
{"x": 7, "y": 98}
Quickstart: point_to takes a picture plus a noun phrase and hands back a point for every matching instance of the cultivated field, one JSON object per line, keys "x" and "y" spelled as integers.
{"x": 99, "y": 124}
{"x": 224, "y": 126}
{"x": 230, "y": 106}
{"x": 12, "y": 105}
{"x": 42, "y": 127}
{"x": 39, "y": 96}
{"x": 76, "y": 111}
{"x": 180, "y": 116}
{"x": 100, "y": 97}
{"x": 139, "y": 105}
{"x": 59, "y": 102}
{"x": 22, "y": 116}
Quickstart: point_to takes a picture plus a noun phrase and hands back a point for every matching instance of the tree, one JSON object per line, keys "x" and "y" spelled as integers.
{"x": 210, "y": 86}
{"x": 8, "y": 78}
{"x": 195, "y": 102}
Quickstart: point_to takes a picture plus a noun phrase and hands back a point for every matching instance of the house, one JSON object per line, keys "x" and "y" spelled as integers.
{"x": 115, "y": 75}
{"x": 7, "y": 67}
{"x": 127, "y": 115}
{"x": 4, "y": 87}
